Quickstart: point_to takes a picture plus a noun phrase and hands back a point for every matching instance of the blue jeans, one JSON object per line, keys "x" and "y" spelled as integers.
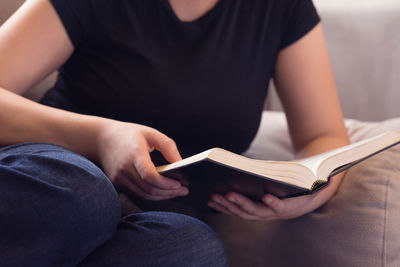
{"x": 59, "y": 209}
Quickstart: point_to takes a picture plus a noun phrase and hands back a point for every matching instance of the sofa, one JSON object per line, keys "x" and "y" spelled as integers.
{"x": 359, "y": 226}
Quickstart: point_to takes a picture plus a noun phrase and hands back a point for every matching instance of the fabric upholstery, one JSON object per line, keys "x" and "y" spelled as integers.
{"x": 363, "y": 42}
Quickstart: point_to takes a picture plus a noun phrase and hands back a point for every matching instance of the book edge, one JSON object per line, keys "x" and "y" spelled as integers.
{"x": 394, "y": 136}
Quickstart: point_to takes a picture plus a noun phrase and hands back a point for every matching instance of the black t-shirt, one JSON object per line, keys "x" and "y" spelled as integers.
{"x": 203, "y": 83}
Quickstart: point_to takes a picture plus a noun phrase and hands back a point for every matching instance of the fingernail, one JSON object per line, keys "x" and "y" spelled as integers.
{"x": 184, "y": 192}
{"x": 268, "y": 200}
{"x": 176, "y": 186}
{"x": 232, "y": 199}
{"x": 217, "y": 199}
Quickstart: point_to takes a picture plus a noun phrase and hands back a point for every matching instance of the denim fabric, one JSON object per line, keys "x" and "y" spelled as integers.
{"x": 59, "y": 209}
{"x": 160, "y": 239}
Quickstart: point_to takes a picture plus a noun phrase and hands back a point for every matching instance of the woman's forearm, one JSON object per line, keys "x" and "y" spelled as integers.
{"x": 122, "y": 149}
{"x": 319, "y": 145}
{"x": 22, "y": 120}
{"x": 322, "y": 144}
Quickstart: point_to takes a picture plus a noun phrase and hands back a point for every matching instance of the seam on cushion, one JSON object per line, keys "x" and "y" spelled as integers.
{"x": 385, "y": 214}
{"x": 384, "y": 247}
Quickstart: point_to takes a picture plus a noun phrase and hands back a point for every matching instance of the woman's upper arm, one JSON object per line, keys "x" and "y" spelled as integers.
{"x": 33, "y": 43}
{"x": 305, "y": 84}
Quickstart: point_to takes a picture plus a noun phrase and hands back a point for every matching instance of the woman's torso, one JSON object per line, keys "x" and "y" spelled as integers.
{"x": 203, "y": 83}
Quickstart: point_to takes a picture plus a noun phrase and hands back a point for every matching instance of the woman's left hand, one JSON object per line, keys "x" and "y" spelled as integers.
{"x": 315, "y": 123}
{"x": 271, "y": 207}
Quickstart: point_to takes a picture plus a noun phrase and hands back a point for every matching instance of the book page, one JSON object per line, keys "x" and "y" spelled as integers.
{"x": 352, "y": 152}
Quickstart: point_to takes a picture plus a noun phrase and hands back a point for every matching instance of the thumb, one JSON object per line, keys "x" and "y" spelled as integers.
{"x": 165, "y": 145}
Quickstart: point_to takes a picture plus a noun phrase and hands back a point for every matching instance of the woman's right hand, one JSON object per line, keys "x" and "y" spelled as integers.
{"x": 124, "y": 153}
{"x": 34, "y": 43}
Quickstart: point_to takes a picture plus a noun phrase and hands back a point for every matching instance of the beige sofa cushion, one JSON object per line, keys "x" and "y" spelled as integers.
{"x": 273, "y": 142}
{"x": 7, "y": 8}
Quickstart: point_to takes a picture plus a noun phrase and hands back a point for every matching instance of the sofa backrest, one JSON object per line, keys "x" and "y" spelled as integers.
{"x": 7, "y": 7}
{"x": 364, "y": 44}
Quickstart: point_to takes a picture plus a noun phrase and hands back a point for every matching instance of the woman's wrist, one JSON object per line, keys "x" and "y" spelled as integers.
{"x": 83, "y": 134}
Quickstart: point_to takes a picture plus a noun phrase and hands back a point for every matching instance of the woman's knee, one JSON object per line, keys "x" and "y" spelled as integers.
{"x": 53, "y": 167}
{"x": 58, "y": 194}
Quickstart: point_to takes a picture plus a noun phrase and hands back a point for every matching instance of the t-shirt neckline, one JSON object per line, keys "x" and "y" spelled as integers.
{"x": 205, "y": 16}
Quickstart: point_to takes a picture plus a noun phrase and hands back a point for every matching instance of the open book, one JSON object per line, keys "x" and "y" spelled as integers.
{"x": 221, "y": 171}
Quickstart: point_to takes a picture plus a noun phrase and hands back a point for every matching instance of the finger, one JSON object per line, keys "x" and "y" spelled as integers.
{"x": 164, "y": 144}
{"x": 251, "y": 207}
{"x": 218, "y": 207}
{"x": 133, "y": 176}
{"x": 147, "y": 171}
{"x": 233, "y": 208}
{"x": 179, "y": 177}
{"x": 132, "y": 187}
{"x": 154, "y": 191}
{"x": 277, "y": 205}
{"x": 127, "y": 186}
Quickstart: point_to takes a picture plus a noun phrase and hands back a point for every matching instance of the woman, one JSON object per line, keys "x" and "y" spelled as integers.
{"x": 138, "y": 76}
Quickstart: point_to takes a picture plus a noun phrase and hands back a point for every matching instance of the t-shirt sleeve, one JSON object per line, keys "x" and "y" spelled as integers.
{"x": 79, "y": 17}
{"x": 301, "y": 16}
